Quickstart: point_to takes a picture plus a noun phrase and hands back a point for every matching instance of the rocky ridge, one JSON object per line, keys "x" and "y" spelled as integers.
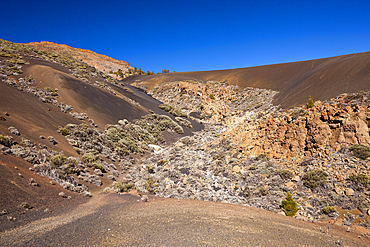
{"x": 101, "y": 62}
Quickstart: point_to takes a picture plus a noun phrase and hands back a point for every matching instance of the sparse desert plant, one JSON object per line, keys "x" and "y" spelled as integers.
{"x": 184, "y": 122}
{"x": 88, "y": 158}
{"x": 5, "y": 141}
{"x": 179, "y": 130}
{"x": 286, "y": 174}
{"x": 298, "y": 113}
{"x": 211, "y": 96}
{"x": 360, "y": 150}
{"x": 26, "y": 205}
{"x": 262, "y": 156}
{"x": 328, "y": 209}
{"x": 63, "y": 131}
{"x": 264, "y": 190}
{"x": 360, "y": 180}
{"x": 310, "y": 103}
{"x": 128, "y": 89}
{"x": 123, "y": 187}
{"x": 314, "y": 178}
{"x": 289, "y": 206}
{"x": 58, "y": 160}
{"x": 97, "y": 165}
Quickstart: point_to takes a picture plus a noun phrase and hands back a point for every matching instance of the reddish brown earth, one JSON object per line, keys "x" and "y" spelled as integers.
{"x": 323, "y": 79}
{"x": 100, "y": 62}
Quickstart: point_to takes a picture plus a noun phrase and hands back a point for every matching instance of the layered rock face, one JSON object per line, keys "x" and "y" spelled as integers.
{"x": 302, "y": 132}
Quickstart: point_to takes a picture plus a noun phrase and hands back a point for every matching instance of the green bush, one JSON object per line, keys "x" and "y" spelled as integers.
{"x": 360, "y": 151}
{"x": 310, "y": 103}
{"x": 211, "y": 96}
{"x": 5, "y": 141}
{"x": 314, "y": 178}
{"x": 289, "y": 206}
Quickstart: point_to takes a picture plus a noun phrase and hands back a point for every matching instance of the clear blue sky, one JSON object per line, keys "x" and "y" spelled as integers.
{"x": 194, "y": 35}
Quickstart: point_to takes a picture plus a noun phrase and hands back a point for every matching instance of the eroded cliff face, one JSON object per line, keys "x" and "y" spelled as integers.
{"x": 100, "y": 62}
{"x": 300, "y": 133}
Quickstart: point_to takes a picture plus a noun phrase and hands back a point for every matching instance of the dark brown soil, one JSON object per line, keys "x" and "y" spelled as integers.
{"x": 322, "y": 79}
{"x": 124, "y": 220}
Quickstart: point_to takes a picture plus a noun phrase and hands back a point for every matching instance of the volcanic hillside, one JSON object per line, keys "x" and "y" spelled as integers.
{"x": 42, "y": 92}
{"x": 321, "y": 78}
{"x": 69, "y": 132}
{"x": 100, "y": 62}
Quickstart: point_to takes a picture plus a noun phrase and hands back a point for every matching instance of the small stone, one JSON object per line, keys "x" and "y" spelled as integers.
{"x": 282, "y": 213}
{"x": 290, "y": 185}
{"x": 368, "y": 212}
{"x": 52, "y": 140}
{"x": 349, "y": 192}
{"x": 20, "y": 175}
{"x": 15, "y": 167}
{"x": 62, "y": 194}
{"x": 98, "y": 172}
{"x": 33, "y": 182}
{"x": 3, "y": 212}
{"x": 86, "y": 193}
{"x": 236, "y": 169}
{"x": 144, "y": 198}
{"x": 42, "y": 137}
{"x": 52, "y": 182}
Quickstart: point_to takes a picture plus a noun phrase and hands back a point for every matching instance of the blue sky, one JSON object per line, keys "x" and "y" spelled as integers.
{"x": 194, "y": 35}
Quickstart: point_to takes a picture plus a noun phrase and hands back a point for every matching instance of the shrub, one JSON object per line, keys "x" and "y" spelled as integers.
{"x": 264, "y": 190}
{"x": 289, "y": 206}
{"x": 314, "y": 178}
{"x": 64, "y": 131}
{"x": 286, "y": 174}
{"x": 26, "y": 205}
{"x": 58, "y": 160}
{"x": 262, "y": 156}
{"x": 329, "y": 209}
{"x": 184, "y": 122}
{"x": 5, "y": 141}
{"x": 310, "y": 103}
{"x": 98, "y": 165}
{"x": 362, "y": 179}
{"x": 360, "y": 151}
{"x": 123, "y": 187}
{"x": 88, "y": 158}
{"x": 179, "y": 130}
{"x": 211, "y": 96}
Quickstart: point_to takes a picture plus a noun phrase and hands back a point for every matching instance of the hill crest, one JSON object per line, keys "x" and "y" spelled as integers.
{"x": 102, "y": 63}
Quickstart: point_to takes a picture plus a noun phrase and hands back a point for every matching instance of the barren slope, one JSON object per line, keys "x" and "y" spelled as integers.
{"x": 100, "y": 62}
{"x": 322, "y": 78}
